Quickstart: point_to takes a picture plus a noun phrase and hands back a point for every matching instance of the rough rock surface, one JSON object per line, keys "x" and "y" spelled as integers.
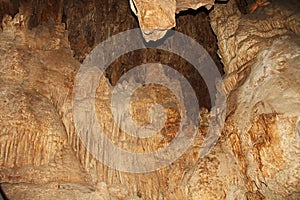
{"x": 36, "y": 76}
{"x": 261, "y": 53}
{"x": 158, "y": 16}
{"x": 38, "y": 61}
{"x": 257, "y": 157}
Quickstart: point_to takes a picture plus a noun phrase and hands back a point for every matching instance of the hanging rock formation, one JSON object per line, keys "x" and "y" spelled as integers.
{"x": 158, "y": 16}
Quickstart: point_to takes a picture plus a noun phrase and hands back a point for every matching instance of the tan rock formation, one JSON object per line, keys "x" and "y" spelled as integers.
{"x": 156, "y": 17}
{"x": 182, "y": 5}
{"x": 261, "y": 53}
{"x": 256, "y": 157}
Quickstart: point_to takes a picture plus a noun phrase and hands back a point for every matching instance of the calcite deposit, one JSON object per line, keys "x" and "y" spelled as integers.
{"x": 158, "y": 16}
{"x": 260, "y": 53}
{"x": 257, "y": 51}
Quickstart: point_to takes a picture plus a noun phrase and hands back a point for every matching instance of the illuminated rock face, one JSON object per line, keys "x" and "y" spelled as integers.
{"x": 257, "y": 155}
{"x": 155, "y": 17}
{"x": 158, "y": 16}
{"x": 261, "y": 53}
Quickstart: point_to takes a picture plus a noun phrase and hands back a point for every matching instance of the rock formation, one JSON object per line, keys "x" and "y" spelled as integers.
{"x": 43, "y": 44}
{"x": 260, "y": 53}
{"x": 157, "y": 17}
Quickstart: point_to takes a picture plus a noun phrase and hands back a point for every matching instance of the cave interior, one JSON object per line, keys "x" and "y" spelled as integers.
{"x": 255, "y": 47}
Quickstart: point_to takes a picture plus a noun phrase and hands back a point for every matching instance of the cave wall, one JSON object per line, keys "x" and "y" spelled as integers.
{"x": 256, "y": 157}
{"x": 260, "y": 53}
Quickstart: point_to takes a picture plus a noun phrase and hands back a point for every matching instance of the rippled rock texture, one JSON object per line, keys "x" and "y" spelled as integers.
{"x": 42, "y": 45}
{"x": 158, "y": 16}
{"x": 260, "y": 52}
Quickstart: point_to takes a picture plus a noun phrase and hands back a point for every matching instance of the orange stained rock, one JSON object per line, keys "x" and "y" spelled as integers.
{"x": 257, "y": 4}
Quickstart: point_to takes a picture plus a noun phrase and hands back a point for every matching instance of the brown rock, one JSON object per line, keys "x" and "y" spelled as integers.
{"x": 256, "y": 157}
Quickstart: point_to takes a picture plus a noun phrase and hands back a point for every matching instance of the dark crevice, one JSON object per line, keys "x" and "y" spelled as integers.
{"x": 2, "y": 194}
{"x": 8, "y": 8}
{"x": 193, "y": 12}
{"x": 243, "y": 6}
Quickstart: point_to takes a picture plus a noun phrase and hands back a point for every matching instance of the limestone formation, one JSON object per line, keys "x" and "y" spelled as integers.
{"x": 158, "y": 16}
{"x": 42, "y": 46}
{"x": 260, "y": 53}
